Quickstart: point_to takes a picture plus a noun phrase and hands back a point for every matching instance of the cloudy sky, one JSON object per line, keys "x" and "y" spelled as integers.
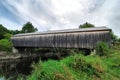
{"x": 60, "y": 14}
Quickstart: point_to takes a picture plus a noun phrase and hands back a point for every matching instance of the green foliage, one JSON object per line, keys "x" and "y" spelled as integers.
{"x": 102, "y": 49}
{"x": 7, "y": 36}
{"x": 113, "y": 66}
{"x": 5, "y": 45}
{"x": 20, "y": 77}
{"x": 80, "y": 64}
{"x": 87, "y": 67}
{"x": 15, "y": 32}
{"x": 3, "y": 31}
{"x": 119, "y": 40}
{"x": 28, "y": 27}
{"x": 114, "y": 38}
{"x": 115, "y": 41}
{"x": 78, "y": 67}
{"x": 86, "y": 25}
{"x": 50, "y": 70}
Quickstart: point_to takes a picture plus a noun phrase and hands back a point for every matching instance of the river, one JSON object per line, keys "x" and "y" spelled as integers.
{"x": 11, "y": 69}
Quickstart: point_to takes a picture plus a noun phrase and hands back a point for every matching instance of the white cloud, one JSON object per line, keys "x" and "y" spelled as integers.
{"x": 65, "y": 7}
{"x": 65, "y": 14}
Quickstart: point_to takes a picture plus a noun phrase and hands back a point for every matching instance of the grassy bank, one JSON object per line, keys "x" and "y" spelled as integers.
{"x": 78, "y": 67}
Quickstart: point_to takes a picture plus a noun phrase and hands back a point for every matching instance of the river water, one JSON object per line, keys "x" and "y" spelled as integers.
{"x": 11, "y": 69}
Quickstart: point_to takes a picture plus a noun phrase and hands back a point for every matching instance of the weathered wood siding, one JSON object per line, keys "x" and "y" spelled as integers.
{"x": 84, "y": 39}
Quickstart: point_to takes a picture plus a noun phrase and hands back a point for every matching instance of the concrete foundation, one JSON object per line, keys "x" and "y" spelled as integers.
{"x": 14, "y": 50}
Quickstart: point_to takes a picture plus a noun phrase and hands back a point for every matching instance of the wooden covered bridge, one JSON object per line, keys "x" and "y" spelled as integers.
{"x": 84, "y": 38}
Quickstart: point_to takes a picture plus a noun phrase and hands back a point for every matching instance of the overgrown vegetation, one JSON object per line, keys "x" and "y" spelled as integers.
{"x": 74, "y": 67}
{"x": 102, "y": 49}
{"x": 3, "y": 31}
{"x": 86, "y": 25}
{"x": 28, "y": 27}
{"x": 78, "y": 67}
{"x": 5, "y": 35}
{"x": 5, "y": 45}
{"x": 105, "y": 66}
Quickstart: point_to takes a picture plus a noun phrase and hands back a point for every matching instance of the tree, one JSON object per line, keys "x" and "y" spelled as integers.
{"x": 86, "y": 25}
{"x": 7, "y": 36}
{"x": 3, "y": 31}
{"x": 5, "y": 45}
{"x": 28, "y": 27}
{"x": 15, "y": 32}
{"x": 114, "y": 38}
{"x": 102, "y": 49}
{"x": 119, "y": 40}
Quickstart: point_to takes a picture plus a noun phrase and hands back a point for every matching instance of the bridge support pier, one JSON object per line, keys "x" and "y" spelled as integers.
{"x": 14, "y": 50}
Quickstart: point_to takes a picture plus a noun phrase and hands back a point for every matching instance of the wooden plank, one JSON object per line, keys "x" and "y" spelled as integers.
{"x": 68, "y": 40}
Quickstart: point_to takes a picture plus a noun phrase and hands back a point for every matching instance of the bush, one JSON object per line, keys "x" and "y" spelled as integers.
{"x": 5, "y": 45}
{"x": 7, "y": 36}
{"x": 102, "y": 49}
{"x": 50, "y": 70}
{"x": 77, "y": 67}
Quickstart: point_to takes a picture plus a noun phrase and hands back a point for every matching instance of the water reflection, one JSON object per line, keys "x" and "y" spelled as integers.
{"x": 13, "y": 68}
{"x": 2, "y": 78}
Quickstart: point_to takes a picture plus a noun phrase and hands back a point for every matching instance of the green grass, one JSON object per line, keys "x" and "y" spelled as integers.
{"x": 78, "y": 67}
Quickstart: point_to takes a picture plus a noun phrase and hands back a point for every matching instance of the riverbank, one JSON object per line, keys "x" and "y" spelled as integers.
{"x": 78, "y": 67}
{"x": 5, "y": 56}
{"x": 12, "y": 68}
{"x": 13, "y": 56}
{"x": 73, "y": 67}
{"x": 8, "y": 55}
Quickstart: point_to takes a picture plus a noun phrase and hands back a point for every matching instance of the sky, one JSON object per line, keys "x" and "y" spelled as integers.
{"x": 60, "y": 14}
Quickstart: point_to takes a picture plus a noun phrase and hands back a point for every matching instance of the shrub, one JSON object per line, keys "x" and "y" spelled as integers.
{"x": 50, "y": 70}
{"x": 78, "y": 67}
{"x": 80, "y": 64}
{"x": 102, "y": 49}
{"x": 7, "y": 36}
{"x": 5, "y": 45}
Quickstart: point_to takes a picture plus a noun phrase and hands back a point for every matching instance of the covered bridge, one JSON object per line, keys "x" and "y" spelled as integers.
{"x": 71, "y": 38}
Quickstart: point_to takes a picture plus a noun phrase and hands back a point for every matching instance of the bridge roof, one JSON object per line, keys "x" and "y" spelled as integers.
{"x": 103, "y": 28}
